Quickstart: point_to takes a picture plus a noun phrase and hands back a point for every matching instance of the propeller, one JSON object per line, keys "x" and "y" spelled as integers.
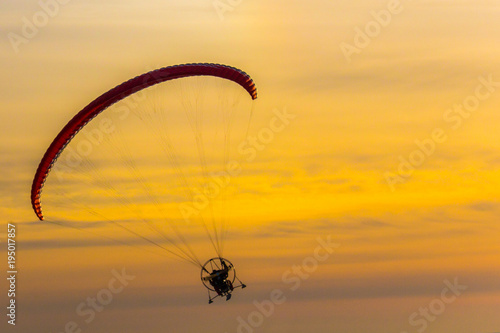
{"x": 216, "y": 274}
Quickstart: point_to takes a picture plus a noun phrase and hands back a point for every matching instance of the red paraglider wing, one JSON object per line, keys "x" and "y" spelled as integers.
{"x": 118, "y": 93}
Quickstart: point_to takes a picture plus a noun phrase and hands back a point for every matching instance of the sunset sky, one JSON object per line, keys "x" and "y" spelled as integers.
{"x": 393, "y": 154}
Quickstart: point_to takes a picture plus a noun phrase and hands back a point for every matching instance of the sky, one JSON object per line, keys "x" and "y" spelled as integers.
{"x": 374, "y": 209}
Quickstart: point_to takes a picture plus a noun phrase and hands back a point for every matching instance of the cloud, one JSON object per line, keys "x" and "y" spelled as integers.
{"x": 408, "y": 75}
{"x": 484, "y": 206}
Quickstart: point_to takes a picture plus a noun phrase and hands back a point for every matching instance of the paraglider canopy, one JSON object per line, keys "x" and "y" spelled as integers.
{"x": 155, "y": 161}
{"x": 118, "y": 93}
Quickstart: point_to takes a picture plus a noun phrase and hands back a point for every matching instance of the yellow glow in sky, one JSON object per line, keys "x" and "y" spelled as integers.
{"x": 358, "y": 119}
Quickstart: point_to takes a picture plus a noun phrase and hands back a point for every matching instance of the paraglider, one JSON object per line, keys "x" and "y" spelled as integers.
{"x": 218, "y": 275}
{"x": 147, "y": 199}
